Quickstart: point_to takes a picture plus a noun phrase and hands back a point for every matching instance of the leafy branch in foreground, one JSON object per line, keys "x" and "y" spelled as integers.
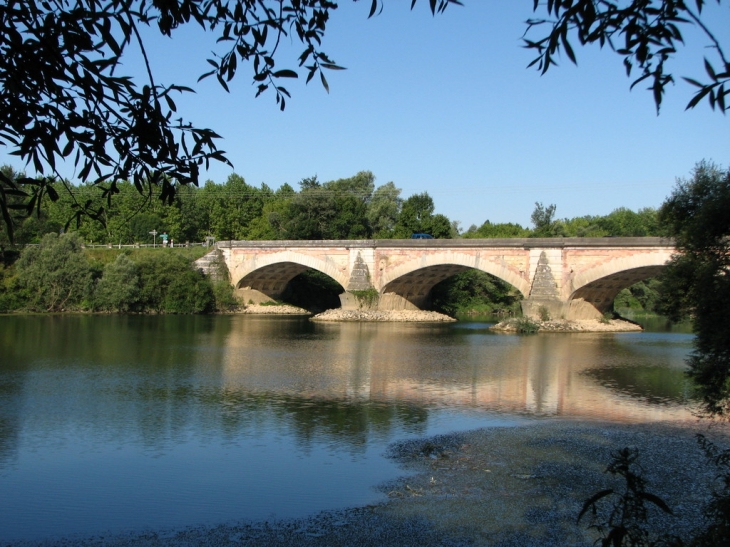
{"x": 695, "y": 215}
{"x": 63, "y": 98}
{"x": 717, "y": 511}
{"x": 646, "y": 33}
{"x": 626, "y": 522}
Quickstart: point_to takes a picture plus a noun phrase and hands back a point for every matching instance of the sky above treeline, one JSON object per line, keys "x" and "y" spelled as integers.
{"x": 446, "y": 105}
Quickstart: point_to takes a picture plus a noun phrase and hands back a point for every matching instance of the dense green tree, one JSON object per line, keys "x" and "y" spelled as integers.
{"x": 142, "y": 226}
{"x": 644, "y": 296}
{"x": 168, "y": 284}
{"x": 474, "y": 291}
{"x": 194, "y": 217}
{"x": 270, "y": 225}
{"x": 501, "y": 230}
{"x": 543, "y": 220}
{"x": 440, "y": 227}
{"x": 417, "y": 217}
{"x": 352, "y": 198}
{"x": 384, "y": 210}
{"x": 333, "y": 210}
{"x": 624, "y": 222}
{"x": 56, "y": 274}
{"x": 696, "y": 216}
{"x": 118, "y": 289}
{"x": 232, "y": 207}
{"x": 27, "y": 229}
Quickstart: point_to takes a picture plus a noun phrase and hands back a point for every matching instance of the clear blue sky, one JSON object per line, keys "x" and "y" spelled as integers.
{"x": 446, "y": 105}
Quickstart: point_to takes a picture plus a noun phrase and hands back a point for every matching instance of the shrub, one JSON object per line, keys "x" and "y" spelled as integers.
{"x": 118, "y": 289}
{"x": 225, "y": 299}
{"x": 525, "y": 325}
{"x": 12, "y": 296}
{"x": 56, "y": 274}
{"x": 189, "y": 292}
{"x": 170, "y": 285}
{"x": 366, "y": 298}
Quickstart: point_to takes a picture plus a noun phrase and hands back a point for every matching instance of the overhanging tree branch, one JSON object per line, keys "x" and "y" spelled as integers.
{"x": 651, "y": 31}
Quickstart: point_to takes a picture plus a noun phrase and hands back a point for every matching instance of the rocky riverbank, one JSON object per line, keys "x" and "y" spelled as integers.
{"x": 563, "y": 325}
{"x": 400, "y": 316}
{"x": 511, "y": 486}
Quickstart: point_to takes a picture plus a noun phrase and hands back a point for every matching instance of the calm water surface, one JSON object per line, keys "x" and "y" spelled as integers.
{"x": 127, "y": 423}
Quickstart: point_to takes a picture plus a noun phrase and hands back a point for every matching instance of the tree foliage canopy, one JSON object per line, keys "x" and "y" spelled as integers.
{"x": 699, "y": 277}
{"x": 646, "y": 33}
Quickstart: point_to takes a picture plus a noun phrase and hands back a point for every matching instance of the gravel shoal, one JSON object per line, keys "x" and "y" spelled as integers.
{"x": 516, "y": 486}
{"x": 565, "y": 325}
{"x": 283, "y": 309}
{"x": 400, "y": 316}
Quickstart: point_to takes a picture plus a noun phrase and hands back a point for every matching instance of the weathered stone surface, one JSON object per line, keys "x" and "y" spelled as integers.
{"x": 543, "y": 284}
{"x": 571, "y": 277}
{"x": 359, "y": 276}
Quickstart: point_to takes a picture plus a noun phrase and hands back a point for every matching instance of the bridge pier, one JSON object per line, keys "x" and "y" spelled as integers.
{"x": 576, "y": 310}
{"x": 392, "y": 302}
{"x": 253, "y": 296}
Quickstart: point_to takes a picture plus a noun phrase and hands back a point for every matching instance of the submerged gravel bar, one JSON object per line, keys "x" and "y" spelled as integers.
{"x": 516, "y": 486}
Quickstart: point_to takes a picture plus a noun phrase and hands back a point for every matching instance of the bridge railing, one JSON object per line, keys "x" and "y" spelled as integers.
{"x": 525, "y": 243}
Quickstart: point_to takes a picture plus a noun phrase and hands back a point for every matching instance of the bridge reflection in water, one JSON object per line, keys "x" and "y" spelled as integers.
{"x": 618, "y": 377}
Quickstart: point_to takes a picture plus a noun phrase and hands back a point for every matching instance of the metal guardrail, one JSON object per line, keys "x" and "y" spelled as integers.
{"x": 142, "y": 246}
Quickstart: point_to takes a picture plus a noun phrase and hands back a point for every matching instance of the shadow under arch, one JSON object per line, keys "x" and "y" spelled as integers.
{"x": 271, "y": 277}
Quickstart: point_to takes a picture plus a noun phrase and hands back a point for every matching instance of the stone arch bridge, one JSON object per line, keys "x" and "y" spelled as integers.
{"x": 574, "y": 278}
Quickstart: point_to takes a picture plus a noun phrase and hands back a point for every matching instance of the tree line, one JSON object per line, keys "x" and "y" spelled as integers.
{"x": 347, "y": 208}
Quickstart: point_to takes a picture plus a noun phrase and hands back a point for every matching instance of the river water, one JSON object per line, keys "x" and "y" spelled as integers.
{"x": 112, "y": 424}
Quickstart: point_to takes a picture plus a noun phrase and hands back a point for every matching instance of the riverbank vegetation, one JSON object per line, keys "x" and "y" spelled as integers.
{"x": 58, "y": 275}
{"x": 348, "y": 208}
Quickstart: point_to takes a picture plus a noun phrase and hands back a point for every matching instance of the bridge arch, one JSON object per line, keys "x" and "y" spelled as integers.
{"x": 598, "y": 286}
{"x": 266, "y": 276}
{"x": 413, "y": 280}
